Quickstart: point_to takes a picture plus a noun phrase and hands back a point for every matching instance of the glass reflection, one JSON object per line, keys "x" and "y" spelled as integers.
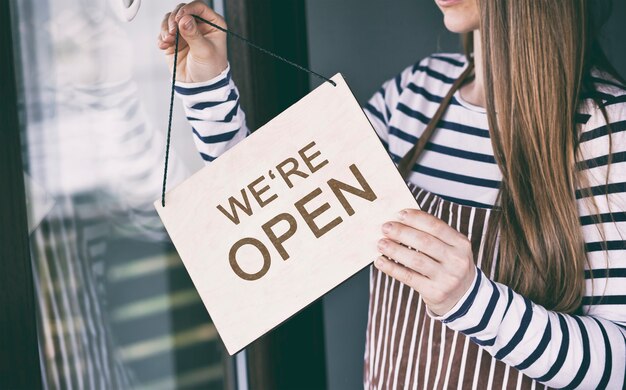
{"x": 116, "y": 308}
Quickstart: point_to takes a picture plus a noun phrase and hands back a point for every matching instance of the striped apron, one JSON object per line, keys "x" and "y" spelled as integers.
{"x": 406, "y": 349}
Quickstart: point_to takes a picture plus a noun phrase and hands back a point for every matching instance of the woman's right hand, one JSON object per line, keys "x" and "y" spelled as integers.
{"x": 201, "y": 47}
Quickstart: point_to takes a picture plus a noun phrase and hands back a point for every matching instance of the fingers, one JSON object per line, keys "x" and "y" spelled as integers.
{"x": 445, "y": 269}
{"x": 423, "y": 242}
{"x": 410, "y": 258}
{"x": 200, "y": 9}
{"x": 432, "y": 225}
{"x": 193, "y": 32}
{"x": 200, "y": 45}
{"x": 164, "y": 40}
{"x": 189, "y": 30}
{"x": 171, "y": 20}
{"x": 402, "y": 273}
{"x": 167, "y": 36}
{"x": 164, "y": 26}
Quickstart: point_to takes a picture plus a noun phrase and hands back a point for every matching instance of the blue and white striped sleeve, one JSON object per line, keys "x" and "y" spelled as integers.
{"x": 213, "y": 110}
{"x": 561, "y": 350}
{"x": 380, "y": 106}
{"x": 218, "y": 122}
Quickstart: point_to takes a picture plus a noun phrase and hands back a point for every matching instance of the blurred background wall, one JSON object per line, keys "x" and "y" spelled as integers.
{"x": 369, "y": 42}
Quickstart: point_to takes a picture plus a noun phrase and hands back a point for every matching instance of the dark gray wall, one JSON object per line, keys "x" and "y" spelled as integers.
{"x": 369, "y": 42}
{"x": 614, "y": 36}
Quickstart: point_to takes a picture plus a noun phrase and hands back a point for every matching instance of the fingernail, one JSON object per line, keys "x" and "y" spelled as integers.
{"x": 386, "y": 227}
{"x": 188, "y": 24}
{"x": 402, "y": 215}
{"x": 382, "y": 244}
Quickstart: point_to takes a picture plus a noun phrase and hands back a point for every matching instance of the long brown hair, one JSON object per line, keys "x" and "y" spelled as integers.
{"x": 538, "y": 56}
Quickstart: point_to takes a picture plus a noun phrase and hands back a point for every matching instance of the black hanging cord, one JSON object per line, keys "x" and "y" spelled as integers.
{"x": 169, "y": 121}
{"x": 265, "y": 50}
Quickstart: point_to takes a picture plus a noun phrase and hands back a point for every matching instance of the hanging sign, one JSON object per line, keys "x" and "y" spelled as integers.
{"x": 288, "y": 214}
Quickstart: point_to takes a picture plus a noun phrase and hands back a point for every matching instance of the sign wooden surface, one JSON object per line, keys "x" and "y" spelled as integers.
{"x": 286, "y": 215}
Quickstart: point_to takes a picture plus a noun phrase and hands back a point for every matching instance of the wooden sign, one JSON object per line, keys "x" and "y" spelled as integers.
{"x": 286, "y": 215}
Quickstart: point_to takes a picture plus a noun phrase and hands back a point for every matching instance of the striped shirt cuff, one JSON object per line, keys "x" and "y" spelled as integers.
{"x": 216, "y": 89}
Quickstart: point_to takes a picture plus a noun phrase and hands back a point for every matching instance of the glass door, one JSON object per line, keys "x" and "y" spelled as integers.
{"x": 115, "y": 306}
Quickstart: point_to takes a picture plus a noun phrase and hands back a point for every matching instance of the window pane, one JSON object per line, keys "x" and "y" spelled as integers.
{"x": 116, "y": 307}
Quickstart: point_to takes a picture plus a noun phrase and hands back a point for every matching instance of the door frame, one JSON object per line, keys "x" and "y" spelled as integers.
{"x": 19, "y": 348}
{"x": 291, "y": 356}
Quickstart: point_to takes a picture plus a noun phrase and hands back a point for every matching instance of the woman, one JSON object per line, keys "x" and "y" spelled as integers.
{"x": 518, "y": 274}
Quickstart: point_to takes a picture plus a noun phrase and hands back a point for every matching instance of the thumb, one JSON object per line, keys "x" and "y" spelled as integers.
{"x": 189, "y": 31}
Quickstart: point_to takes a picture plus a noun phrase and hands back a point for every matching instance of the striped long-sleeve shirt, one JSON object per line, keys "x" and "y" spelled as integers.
{"x": 558, "y": 349}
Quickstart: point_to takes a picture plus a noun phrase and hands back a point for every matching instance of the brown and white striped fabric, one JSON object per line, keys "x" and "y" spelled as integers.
{"x": 407, "y": 349}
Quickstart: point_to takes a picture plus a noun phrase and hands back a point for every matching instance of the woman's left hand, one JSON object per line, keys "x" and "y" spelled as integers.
{"x": 440, "y": 267}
